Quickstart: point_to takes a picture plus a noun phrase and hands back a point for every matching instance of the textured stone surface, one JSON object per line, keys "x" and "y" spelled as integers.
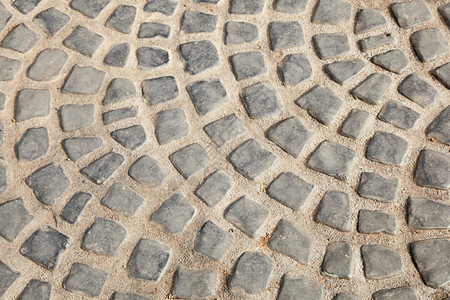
{"x": 147, "y": 171}
{"x": 247, "y": 65}
{"x": 84, "y": 80}
{"x": 122, "y": 18}
{"x": 118, "y": 55}
{"x": 7, "y": 277}
{"x": 75, "y": 117}
{"x": 373, "y": 221}
{"x": 439, "y": 129}
{"x": 294, "y": 287}
{"x": 212, "y": 241}
{"x": 387, "y": 148}
{"x": 338, "y": 260}
{"x": 401, "y": 293}
{"x": 207, "y": 95}
{"x": 285, "y": 35}
{"x": 102, "y": 168}
{"x": 214, "y": 188}
{"x": 240, "y": 32}
{"x": 13, "y": 218}
{"x": 196, "y": 22}
{"x": 321, "y": 103}
{"x": 75, "y": 206}
{"x": 332, "y": 12}
{"x": 123, "y": 200}
{"x": 83, "y": 41}
{"x": 33, "y": 144}
{"x": 372, "y": 89}
{"x": 261, "y": 100}
{"x": 425, "y": 213}
{"x": 159, "y": 90}
{"x": 329, "y": 45}
{"x": 418, "y": 90}
{"x": 130, "y": 137}
{"x": 8, "y": 68}
{"x": 165, "y": 7}
{"x": 85, "y": 279}
{"x": 411, "y": 13}
{"x": 199, "y": 56}
{"x": 5, "y": 16}
{"x": 442, "y": 73}
{"x": 224, "y": 130}
{"x": 368, "y": 20}
{"x": 36, "y": 289}
{"x": 393, "y": 60}
{"x": 171, "y": 125}
{"x": 119, "y": 89}
{"x": 51, "y": 20}
{"x": 104, "y": 237}
{"x": 343, "y": 71}
{"x": 247, "y": 215}
{"x": 295, "y": 69}
{"x": 174, "y": 214}
{"x": 429, "y": 44}
{"x": 89, "y": 8}
{"x": 32, "y": 103}
{"x": 47, "y": 65}
{"x": 354, "y": 123}
{"x": 119, "y": 114}
{"x": 21, "y": 39}
{"x": 432, "y": 169}
{"x": 76, "y": 148}
{"x": 194, "y": 283}
{"x": 381, "y": 261}
{"x": 253, "y": 7}
{"x": 290, "y": 190}
{"x": 150, "y": 30}
{"x": 398, "y": 115}
{"x": 190, "y": 159}
{"x": 377, "y": 187}
{"x": 150, "y": 58}
{"x": 376, "y": 41}
{"x": 334, "y": 210}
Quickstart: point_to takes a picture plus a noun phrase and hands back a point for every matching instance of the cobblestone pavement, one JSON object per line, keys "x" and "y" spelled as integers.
{"x": 224, "y": 149}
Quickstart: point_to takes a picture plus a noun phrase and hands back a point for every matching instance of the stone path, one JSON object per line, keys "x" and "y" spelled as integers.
{"x": 224, "y": 149}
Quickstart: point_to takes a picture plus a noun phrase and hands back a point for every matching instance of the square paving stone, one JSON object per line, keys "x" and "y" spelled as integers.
{"x": 48, "y": 183}
{"x": 13, "y": 218}
{"x": 76, "y": 116}
{"x": 393, "y": 60}
{"x": 7, "y": 277}
{"x": 339, "y": 260}
{"x": 20, "y": 39}
{"x": 174, "y": 214}
{"x": 354, "y": 123}
{"x": 429, "y": 44}
{"x": 85, "y": 279}
{"x": 247, "y": 65}
{"x": 372, "y": 89}
{"x": 439, "y": 129}
{"x": 299, "y": 288}
{"x": 398, "y": 115}
{"x": 104, "y": 237}
{"x": 89, "y": 8}
{"x": 83, "y": 41}
{"x": 36, "y": 289}
{"x": 147, "y": 171}
{"x": 119, "y": 114}
{"x": 165, "y": 7}
{"x": 5, "y": 16}
{"x": 321, "y": 103}
{"x": 198, "y": 56}
{"x": 84, "y": 80}
{"x": 159, "y": 90}
{"x": 251, "y": 160}
{"x": 149, "y": 30}
{"x": 190, "y": 159}
{"x": 150, "y": 58}
{"x": 291, "y": 241}
{"x": 131, "y": 137}
{"x": 261, "y": 100}
{"x": 377, "y": 187}
{"x": 248, "y": 7}
{"x": 34, "y": 143}
{"x": 102, "y": 168}
{"x": 148, "y": 260}
{"x": 78, "y": 147}
{"x": 207, "y": 95}
{"x": 128, "y": 296}
{"x": 334, "y": 210}
{"x": 47, "y": 65}
{"x": 117, "y": 55}
{"x": 214, "y": 188}
{"x": 32, "y": 103}
{"x": 432, "y": 169}
{"x": 376, "y": 41}
{"x": 404, "y": 293}
{"x": 192, "y": 284}
{"x": 343, "y": 71}
{"x": 51, "y": 20}
{"x": 122, "y": 18}
{"x": 374, "y": 221}
{"x": 369, "y": 19}
{"x": 225, "y": 129}
{"x": 418, "y": 90}
{"x": 442, "y": 73}
{"x": 8, "y": 68}
{"x": 75, "y": 206}
{"x": 123, "y": 200}
{"x": 290, "y": 6}
{"x": 247, "y": 215}
{"x": 294, "y": 69}
{"x": 45, "y": 246}
{"x": 444, "y": 10}
{"x": 196, "y": 22}
{"x": 240, "y": 32}
{"x": 329, "y": 45}
{"x": 171, "y": 125}
{"x": 290, "y": 135}
{"x": 387, "y": 148}
{"x": 285, "y": 35}
{"x": 332, "y": 159}
{"x": 119, "y": 89}
{"x": 251, "y": 273}
{"x": 432, "y": 260}
{"x": 332, "y": 12}
{"x": 290, "y": 190}
{"x": 425, "y": 213}
{"x": 411, "y": 13}
{"x": 212, "y": 241}
{"x": 381, "y": 261}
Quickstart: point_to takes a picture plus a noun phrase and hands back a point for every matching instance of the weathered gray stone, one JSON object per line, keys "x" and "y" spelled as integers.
{"x": 248, "y": 64}
{"x": 198, "y": 56}
{"x": 373, "y": 221}
{"x": 102, "y": 168}
{"x": 131, "y": 137}
{"x": 285, "y": 35}
{"x": 224, "y": 130}
{"x": 149, "y": 30}
{"x": 399, "y": 293}
{"x": 392, "y": 60}
{"x": 20, "y": 39}
{"x": 376, "y": 41}
{"x": 32, "y": 144}
{"x": 165, "y": 7}
{"x": 439, "y": 129}
{"x": 290, "y": 135}
{"x": 334, "y": 210}
{"x": 89, "y": 8}
{"x": 2, "y": 100}
{"x": 171, "y": 125}
{"x": 196, "y": 22}
{"x": 13, "y": 218}
{"x": 119, "y": 89}
{"x": 432, "y": 169}
{"x": 372, "y": 89}
{"x": 3, "y": 178}
{"x": 2, "y": 130}
{"x": 190, "y": 159}
{"x": 290, "y": 6}
{"x": 444, "y": 10}
{"x": 428, "y": 214}
{"x": 214, "y": 188}
{"x": 207, "y": 95}
{"x": 240, "y": 32}
{"x": 291, "y": 241}
{"x": 32, "y": 103}
{"x": 332, "y": 159}
{"x": 290, "y": 190}
{"x": 387, "y": 148}
{"x": 251, "y": 160}
{"x": 148, "y": 260}
{"x": 104, "y": 237}
{"x": 45, "y": 246}
{"x": 75, "y": 206}
{"x": 83, "y": 41}
{"x": 119, "y": 114}
{"x": 78, "y": 147}
{"x": 174, "y": 214}
{"x": 261, "y": 100}
{"x": 369, "y": 19}
{"x": 84, "y": 80}
{"x": 429, "y": 44}
{"x": 51, "y": 20}
{"x": 212, "y": 241}
{"x": 123, "y": 200}
{"x": 7, "y": 277}
{"x": 432, "y": 260}
{"x": 332, "y": 12}
{"x": 377, "y": 187}
{"x": 117, "y": 55}
{"x": 150, "y": 57}
{"x": 295, "y": 69}
{"x": 76, "y": 116}
{"x": 5, "y": 16}
{"x": 343, "y": 71}
{"x": 159, "y": 90}
{"x": 418, "y": 90}
{"x": 47, "y": 65}
{"x": 85, "y": 279}
{"x": 48, "y": 183}
{"x": 442, "y": 73}
{"x": 398, "y": 115}
{"x": 253, "y": 7}
{"x": 330, "y": 45}
{"x": 342, "y": 296}
{"x": 194, "y": 284}
{"x": 251, "y": 273}
{"x": 247, "y": 215}
{"x": 301, "y": 288}
{"x": 411, "y": 13}
{"x": 147, "y": 171}
{"x": 128, "y": 296}
{"x": 122, "y": 18}
{"x": 36, "y": 289}
{"x": 381, "y": 261}
{"x": 8, "y": 68}
{"x": 354, "y": 123}
{"x": 339, "y": 260}
{"x": 321, "y": 103}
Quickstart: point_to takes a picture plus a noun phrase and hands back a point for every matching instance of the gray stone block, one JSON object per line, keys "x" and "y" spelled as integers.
{"x": 85, "y": 279}
{"x": 3, "y": 178}
{"x": 285, "y": 35}
{"x": 387, "y": 148}
{"x": 150, "y": 58}
{"x": 147, "y": 171}
{"x": 339, "y": 260}
{"x": 47, "y": 65}
{"x": 371, "y": 90}
{"x": 212, "y": 241}
{"x": 20, "y": 39}
{"x": 104, "y": 237}
{"x": 123, "y": 200}
{"x": 373, "y": 221}
{"x": 332, "y": 12}
{"x": 240, "y": 32}
{"x": 399, "y": 293}
{"x": 171, "y": 125}
{"x": 411, "y": 13}
{"x": 89, "y": 8}
{"x": 7, "y": 277}
{"x": 174, "y": 214}
{"x": 32, "y": 103}
{"x": 444, "y": 10}
{"x": 354, "y": 123}
{"x": 214, "y": 188}
{"x": 429, "y": 44}
{"x": 252, "y": 7}
{"x": 198, "y": 56}
{"x": 261, "y": 100}
{"x": 149, "y": 30}
{"x": 119, "y": 89}
{"x": 119, "y": 114}
{"x": 432, "y": 169}
{"x": 377, "y": 187}
{"x": 418, "y": 90}
{"x": 439, "y": 129}
{"x": 381, "y": 262}
{"x": 84, "y": 80}
{"x": 165, "y": 7}
{"x": 36, "y": 289}
{"x": 442, "y": 73}
{"x": 425, "y": 213}
{"x": 334, "y": 210}
{"x": 301, "y": 288}
{"x": 294, "y": 69}
{"x": 343, "y": 71}
{"x": 13, "y": 218}
{"x": 83, "y": 41}
{"x": 5, "y": 16}
{"x": 8, "y": 68}
{"x": 392, "y": 60}
{"x": 207, "y": 95}
{"x": 247, "y": 65}
{"x": 196, "y": 22}
{"x": 290, "y": 6}
{"x": 78, "y": 147}
{"x": 76, "y": 116}
{"x": 75, "y": 206}
{"x": 290, "y": 190}
{"x": 102, "y": 168}
{"x": 122, "y": 18}
{"x": 368, "y": 20}
{"x": 194, "y": 284}
{"x": 376, "y": 41}
{"x": 247, "y": 215}
{"x": 398, "y": 115}
{"x": 34, "y": 143}
{"x": 159, "y": 90}
{"x": 290, "y": 135}
{"x": 117, "y": 55}
{"x": 330, "y": 45}
{"x": 51, "y": 20}
{"x": 321, "y": 103}
{"x": 190, "y": 159}
{"x": 224, "y": 130}
{"x": 131, "y": 137}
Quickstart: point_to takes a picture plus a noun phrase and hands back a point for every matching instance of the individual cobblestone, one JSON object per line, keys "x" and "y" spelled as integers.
{"x": 8, "y": 68}
{"x": 387, "y": 148}
{"x": 343, "y": 296}
{"x": 199, "y": 56}
{"x": 75, "y": 207}
{"x": 442, "y": 73}
{"x": 104, "y": 237}
{"x": 432, "y": 169}
{"x": 377, "y": 187}
{"x": 122, "y": 18}
{"x": 3, "y": 178}
{"x": 147, "y": 171}
{"x": 194, "y": 283}
{"x": 150, "y": 58}
{"x": 102, "y": 168}
{"x": 196, "y": 22}
{"x": 429, "y": 44}
{"x": 334, "y": 210}
{"x": 330, "y": 45}
{"x": 5, "y": 16}
{"x": 207, "y": 95}
{"x": 32, "y": 103}
{"x": 404, "y": 293}
{"x": 240, "y": 32}
{"x": 174, "y": 214}
{"x": 372, "y": 89}
{"x": 321, "y": 103}
{"x": 376, "y": 41}
{"x": 34, "y": 143}
{"x": 444, "y": 10}
{"x": 190, "y": 159}
{"x": 119, "y": 89}
{"x": 398, "y": 115}
{"x": 13, "y": 218}
{"x": 418, "y": 90}
{"x": 123, "y": 200}
{"x": 128, "y": 296}
{"x": 295, "y": 69}
{"x": 85, "y": 279}
{"x": 76, "y": 116}
{"x": 224, "y": 129}
{"x": 7, "y": 277}
{"x": 171, "y": 125}
{"x": 247, "y": 65}
{"x": 439, "y": 129}
{"x": 89, "y": 8}
{"x": 290, "y": 6}
{"x": 285, "y": 35}
{"x": 119, "y": 114}
{"x": 381, "y": 261}
{"x": 149, "y": 30}
{"x": 47, "y": 65}
{"x": 338, "y": 260}
{"x": 165, "y": 7}
{"x": 159, "y": 90}
{"x": 84, "y": 80}
{"x": 354, "y": 123}
{"x": 247, "y": 215}
{"x": 131, "y": 137}
{"x": 78, "y": 147}
{"x": 21, "y": 39}
{"x": 246, "y": 7}
{"x": 411, "y": 13}
{"x": 290, "y": 190}
{"x": 368, "y": 20}
{"x": 214, "y": 188}
{"x": 118, "y": 55}
{"x": 373, "y": 221}
{"x": 261, "y": 100}
{"x": 393, "y": 60}
{"x": 36, "y": 289}
{"x": 51, "y": 20}
{"x": 292, "y": 287}
{"x": 212, "y": 241}
{"x": 332, "y": 12}
{"x": 425, "y": 213}
{"x": 83, "y": 41}
{"x": 343, "y": 71}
